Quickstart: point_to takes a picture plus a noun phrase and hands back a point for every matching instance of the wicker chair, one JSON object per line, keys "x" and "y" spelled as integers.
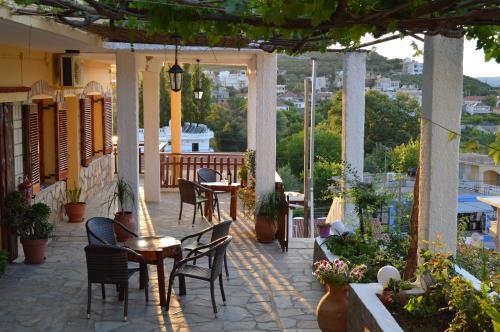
{"x": 107, "y": 264}
{"x": 215, "y": 249}
{"x": 210, "y": 175}
{"x": 193, "y": 193}
{"x": 100, "y": 230}
{"x": 217, "y": 231}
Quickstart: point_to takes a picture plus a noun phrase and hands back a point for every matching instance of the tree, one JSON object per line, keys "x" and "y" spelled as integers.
{"x": 491, "y": 100}
{"x": 290, "y": 150}
{"x": 228, "y": 123}
{"x": 405, "y": 156}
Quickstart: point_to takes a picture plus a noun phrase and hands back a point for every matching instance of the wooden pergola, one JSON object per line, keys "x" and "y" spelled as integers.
{"x": 137, "y": 21}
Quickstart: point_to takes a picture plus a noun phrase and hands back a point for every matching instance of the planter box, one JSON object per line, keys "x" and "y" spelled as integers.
{"x": 366, "y": 312}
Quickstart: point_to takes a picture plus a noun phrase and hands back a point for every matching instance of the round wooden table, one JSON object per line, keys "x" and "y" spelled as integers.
{"x": 155, "y": 249}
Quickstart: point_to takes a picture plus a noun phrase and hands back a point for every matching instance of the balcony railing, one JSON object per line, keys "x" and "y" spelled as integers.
{"x": 185, "y": 165}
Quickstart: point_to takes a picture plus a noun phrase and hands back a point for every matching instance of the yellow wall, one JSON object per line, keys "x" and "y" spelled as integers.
{"x": 23, "y": 67}
{"x": 73, "y": 142}
{"x": 98, "y": 134}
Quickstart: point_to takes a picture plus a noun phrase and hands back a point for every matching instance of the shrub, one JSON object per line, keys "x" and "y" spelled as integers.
{"x": 4, "y": 260}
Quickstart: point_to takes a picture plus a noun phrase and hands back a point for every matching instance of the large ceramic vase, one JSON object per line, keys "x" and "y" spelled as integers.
{"x": 126, "y": 219}
{"x": 265, "y": 230}
{"x": 34, "y": 250}
{"x": 75, "y": 211}
{"x": 332, "y": 309}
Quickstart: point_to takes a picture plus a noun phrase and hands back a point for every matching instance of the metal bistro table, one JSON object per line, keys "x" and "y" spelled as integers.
{"x": 155, "y": 249}
{"x": 221, "y": 186}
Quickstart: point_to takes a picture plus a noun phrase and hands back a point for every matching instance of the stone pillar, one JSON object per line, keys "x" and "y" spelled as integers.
{"x": 151, "y": 101}
{"x": 252, "y": 104}
{"x": 128, "y": 122}
{"x": 176, "y": 121}
{"x": 439, "y": 155}
{"x": 353, "y": 124}
{"x": 265, "y": 124}
{"x": 176, "y": 129}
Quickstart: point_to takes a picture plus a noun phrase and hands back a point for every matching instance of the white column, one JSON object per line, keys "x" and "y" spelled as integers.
{"x": 353, "y": 124}
{"x": 265, "y": 124}
{"x": 151, "y": 103}
{"x": 127, "y": 102}
{"x": 252, "y": 105}
{"x": 441, "y": 108}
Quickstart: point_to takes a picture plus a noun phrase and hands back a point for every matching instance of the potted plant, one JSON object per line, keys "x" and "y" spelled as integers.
{"x": 75, "y": 209}
{"x": 394, "y": 291}
{"x": 31, "y": 223}
{"x": 243, "y": 175}
{"x": 266, "y": 222}
{"x": 124, "y": 196}
{"x": 4, "y": 260}
{"x": 332, "y": 308}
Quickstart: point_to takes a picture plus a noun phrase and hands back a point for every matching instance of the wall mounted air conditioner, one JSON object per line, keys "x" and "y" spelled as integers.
{"x": 68, "y": 70}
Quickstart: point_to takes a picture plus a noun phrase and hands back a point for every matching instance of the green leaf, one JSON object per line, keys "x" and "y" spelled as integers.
{"x": 473, "y": 145}
{"x": 452, "y": 136}
{"x": 494, "y": 152}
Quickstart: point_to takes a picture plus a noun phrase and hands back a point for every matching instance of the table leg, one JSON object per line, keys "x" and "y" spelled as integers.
{"x": 161, "y": 278}
{"x": 209, "y": 206}
{"x": 234, "y": 202}
{"x": 182, "y": 280}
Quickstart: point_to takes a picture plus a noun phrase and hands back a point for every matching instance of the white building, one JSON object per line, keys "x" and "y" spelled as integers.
{"x": 386, "y": 84}
{"x": 412, "y": 67}
{"x": 280, "y": 89}
{"x": 195, "y": 137}
{"x": 322, "y": 82}
{"x": 476, "y": 108}
{"x": 236, "y": 80}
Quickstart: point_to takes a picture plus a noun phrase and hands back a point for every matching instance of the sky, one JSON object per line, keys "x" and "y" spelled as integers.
{"x": 474, "y": 63}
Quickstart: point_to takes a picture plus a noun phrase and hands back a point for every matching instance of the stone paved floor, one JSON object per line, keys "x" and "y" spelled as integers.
{"x": 267, "y": 290}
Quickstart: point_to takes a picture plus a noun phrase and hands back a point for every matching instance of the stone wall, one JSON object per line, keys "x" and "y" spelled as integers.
{"x": 55, "y": 197}
{"x": 97, "y": 175}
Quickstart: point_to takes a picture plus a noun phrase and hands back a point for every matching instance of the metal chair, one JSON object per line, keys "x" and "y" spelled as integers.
{"x": 107, "y": 264}
{"x": 215, "y": 249}
{"x": 192, "y": 193}
{"x": 218, "y": 231}
{"x": 100, "y": 231}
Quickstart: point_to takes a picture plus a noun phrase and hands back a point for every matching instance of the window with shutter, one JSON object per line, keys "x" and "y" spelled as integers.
{"x": 86, "y": 131}
{"x": 61, "y": 126}
{"x": 107, "y": 123}
{"x": 31, "y": 141}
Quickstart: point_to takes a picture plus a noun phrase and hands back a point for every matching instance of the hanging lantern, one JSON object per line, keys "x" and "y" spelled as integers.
{"x": 198, "y": 92}
{"x": 175, "y": 73}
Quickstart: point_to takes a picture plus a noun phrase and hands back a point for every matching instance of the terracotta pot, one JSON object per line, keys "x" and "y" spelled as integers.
{"x": 75, "y": 211}
{"x": 265, "y": 230}
{"x": 332, "y": 309}
{"x": 34, "y": 250}
{"x": 386, "y": 297}
{"x": 126, "y": 219}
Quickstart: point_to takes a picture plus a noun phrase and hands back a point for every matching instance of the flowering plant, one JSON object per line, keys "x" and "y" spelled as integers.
{"x": 337, "y": 273}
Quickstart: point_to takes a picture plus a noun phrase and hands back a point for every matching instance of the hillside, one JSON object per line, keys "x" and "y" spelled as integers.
{"x": 293, "y": 70}
{"x": 493, "y": 81}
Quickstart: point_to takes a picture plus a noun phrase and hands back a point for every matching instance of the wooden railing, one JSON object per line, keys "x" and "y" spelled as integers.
{"x": 185, "y": 165}
{"x": 282, "y": 231}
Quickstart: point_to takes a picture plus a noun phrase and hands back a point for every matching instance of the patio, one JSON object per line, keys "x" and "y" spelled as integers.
{"x": 267, "y": 290}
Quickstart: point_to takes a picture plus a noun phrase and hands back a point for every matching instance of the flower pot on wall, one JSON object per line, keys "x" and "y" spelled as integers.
{"x": 127, "y": 219}
{"x": 34, "y": 250}
{"x": 75, "y": 211}
{"x": 265, "y": 229}
{"x": 332, "y": 309}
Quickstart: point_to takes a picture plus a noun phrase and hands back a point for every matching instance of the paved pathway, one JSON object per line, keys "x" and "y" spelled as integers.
{"x": 267, "y": 290}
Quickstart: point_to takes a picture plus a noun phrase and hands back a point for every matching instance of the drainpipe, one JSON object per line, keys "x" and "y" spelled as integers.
{"x": 311, "y": 149}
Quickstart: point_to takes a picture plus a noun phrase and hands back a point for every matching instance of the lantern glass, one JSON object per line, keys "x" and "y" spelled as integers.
{"x": 175, "y": 73}
{"x": 198, "y": 94}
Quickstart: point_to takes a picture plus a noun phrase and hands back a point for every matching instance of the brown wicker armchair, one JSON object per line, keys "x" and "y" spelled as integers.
{"x": 108, "y": 264}
{"x": 217, "y": 231}
{"x": 192, "y": 193}
{"x": 217, "y": 250}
